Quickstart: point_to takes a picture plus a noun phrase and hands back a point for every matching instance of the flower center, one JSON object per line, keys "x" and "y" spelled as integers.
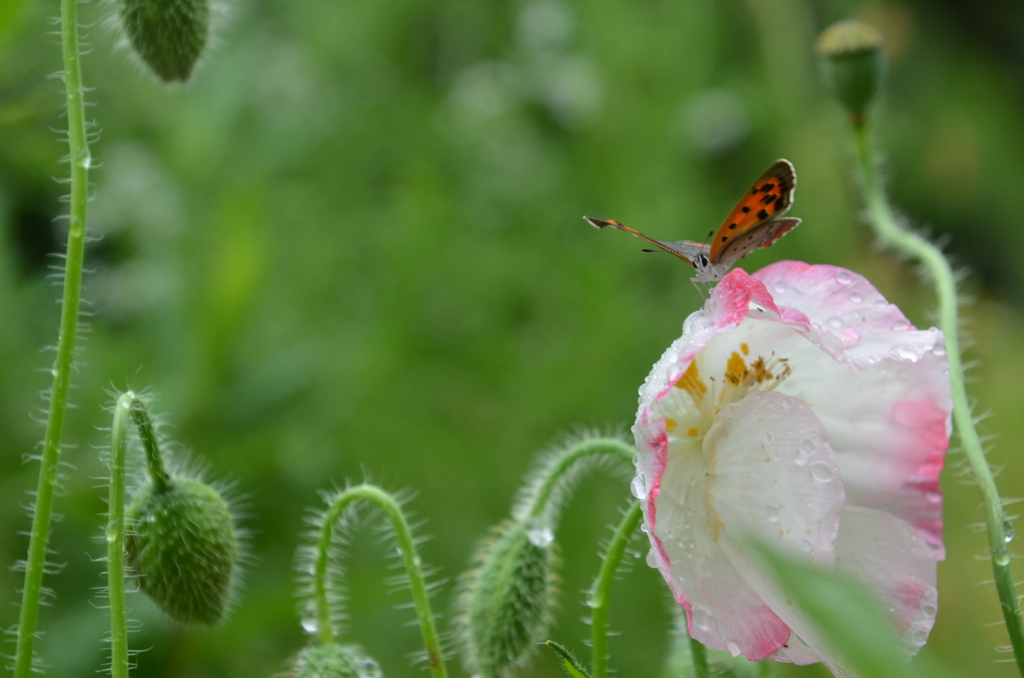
{"x": 706, "y": 398}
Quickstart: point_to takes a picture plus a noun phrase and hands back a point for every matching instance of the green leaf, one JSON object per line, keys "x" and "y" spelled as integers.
{"x": 571, "y": 665}
{"x": 848, "y": 619}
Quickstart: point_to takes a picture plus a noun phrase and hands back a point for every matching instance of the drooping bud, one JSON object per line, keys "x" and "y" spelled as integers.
{"x": 183, "y": 546}
{"x": 333, "y": 660}
{"x": 852, "y": 63}
{"x": 507, "y": 599}
{"x": 168, "y": 35}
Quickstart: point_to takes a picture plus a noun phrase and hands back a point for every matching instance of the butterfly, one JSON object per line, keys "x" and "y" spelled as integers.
{"x": 754, "y": 222}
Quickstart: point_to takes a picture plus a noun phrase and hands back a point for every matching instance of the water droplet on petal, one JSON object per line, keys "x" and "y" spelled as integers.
{"x": 881, "y": 303}
{"x": 768, "y": 437}
{"x": 933, "y": 497}
{"x": 939, "y": 350}
{"x": 652, "y": 559}
{"x": 856, "y": 297}
{"x": 310, "y": 626}
{"x": 919, "y": 637}
{"x": 772, "y": 513}
{"x": 835, "y": 323}
{"x": 638, "y": 487}
{"x": 733, "y": 648}
{"x": 700, "y": 620}
{"x": 822, "y": 472}
{"x": 804, "y": 452}
{"x": 786, "y": 404}
{"x": 929, "y": 610}
{"x": 781, "y": 287}
{"x": 900, "y": 326}
{"x": 844, "y": 278}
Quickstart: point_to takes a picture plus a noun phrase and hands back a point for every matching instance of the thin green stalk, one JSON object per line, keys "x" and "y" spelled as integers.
{"x": 585, "y": 448}
{"x": 151, "y": 445}
{"x": 600, "y": 594}
{"x": 411, "y": 559}
{"x": 115, "y": 538}
{"x": 698, "y": 654}
{"x": 80, "y": 160}
{"x": 887, "y": 228}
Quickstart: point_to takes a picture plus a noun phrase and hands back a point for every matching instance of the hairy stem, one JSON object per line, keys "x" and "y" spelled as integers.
{"x": 601, "y": 591}
{"x": 115, "y": 537}
{"x": 585, "y": 448}
{"x": 411, "y": 559}
{"x": 889, "y": 231}
{"x": 48, "y": 472}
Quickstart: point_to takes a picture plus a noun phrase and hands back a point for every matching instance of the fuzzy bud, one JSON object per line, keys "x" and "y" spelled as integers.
{"x": 168, "y": 35}
{"x": 183, "y": 547}
{"x": 508, "y": 599}
{"x": 852, "y": 63}
{"x": 332, "y": 661}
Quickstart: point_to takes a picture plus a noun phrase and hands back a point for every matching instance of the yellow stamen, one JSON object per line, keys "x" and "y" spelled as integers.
{"x": 692, "y": 383}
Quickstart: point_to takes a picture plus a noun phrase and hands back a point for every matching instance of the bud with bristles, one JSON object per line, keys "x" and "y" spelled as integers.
{"x": 332, "y": 660}
{"x": 168, "y": 35}
{"x": 183, "y": 546}
{"x": 852, "y": 64}
{"x": 508, "y": 599}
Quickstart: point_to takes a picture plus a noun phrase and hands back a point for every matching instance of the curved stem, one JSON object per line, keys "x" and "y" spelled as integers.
{"x": 602, "y": 589}
{"x": 48, "y": 472}
{"x": 151, "y": 445}
{"x": 887, "y": 228}
{"x": 115, "y": 538}
{"x": 411, "y": 559}
{"x": 585, "y": 448}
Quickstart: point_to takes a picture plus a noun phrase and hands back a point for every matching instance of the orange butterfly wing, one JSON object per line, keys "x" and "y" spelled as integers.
{"x": 768, "y": 199}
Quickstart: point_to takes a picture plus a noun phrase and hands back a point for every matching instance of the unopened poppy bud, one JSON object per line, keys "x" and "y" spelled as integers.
{"x": 852, "y": 63}
{"x": 333, "y": 661}
{"x": 168, "y": 35}
{"x": 508, "y": 599}
{"x": 183, "y": 546}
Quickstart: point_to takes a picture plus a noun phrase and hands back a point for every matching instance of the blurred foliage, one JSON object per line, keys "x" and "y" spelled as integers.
{"x": 352, "y": 246}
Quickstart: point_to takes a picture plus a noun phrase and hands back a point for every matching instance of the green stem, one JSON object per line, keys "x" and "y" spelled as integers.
{"x": 411, "y": 559}
{"x": 892, "y": 234}
{"x": 151, "y": 445}
{"x": 585, "y": 448}
{"x": 700, "y": 659}
{"x": 600, "y": 594}
{"x": 115, "y": 537}
{"x": 48, "y": 472}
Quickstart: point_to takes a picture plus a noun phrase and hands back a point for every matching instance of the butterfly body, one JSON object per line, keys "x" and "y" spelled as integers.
{"x": 755, "y": 222}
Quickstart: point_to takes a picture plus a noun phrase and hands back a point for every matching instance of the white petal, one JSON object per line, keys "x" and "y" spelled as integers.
{"x": 749, "y": 479}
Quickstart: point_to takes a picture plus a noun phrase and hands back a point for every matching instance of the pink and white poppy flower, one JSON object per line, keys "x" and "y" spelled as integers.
{"x": 802, "y": 409}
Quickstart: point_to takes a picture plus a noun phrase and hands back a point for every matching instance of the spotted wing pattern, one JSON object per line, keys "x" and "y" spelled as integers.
{"x": 763, "y": 235}
{"x": 767, "y": 200}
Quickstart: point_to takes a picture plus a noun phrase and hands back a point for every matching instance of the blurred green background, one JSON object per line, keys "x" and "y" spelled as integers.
{"x": 352, "y": 247}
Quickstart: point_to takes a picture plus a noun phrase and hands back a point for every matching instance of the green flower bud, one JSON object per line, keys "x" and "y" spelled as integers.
{"x": 508, "y": 599}
{"x": 168, "y": 35}
{"x": 183, "y": 546}
{"x": 332, "y": 661}
{"x": 852, "y": 63}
